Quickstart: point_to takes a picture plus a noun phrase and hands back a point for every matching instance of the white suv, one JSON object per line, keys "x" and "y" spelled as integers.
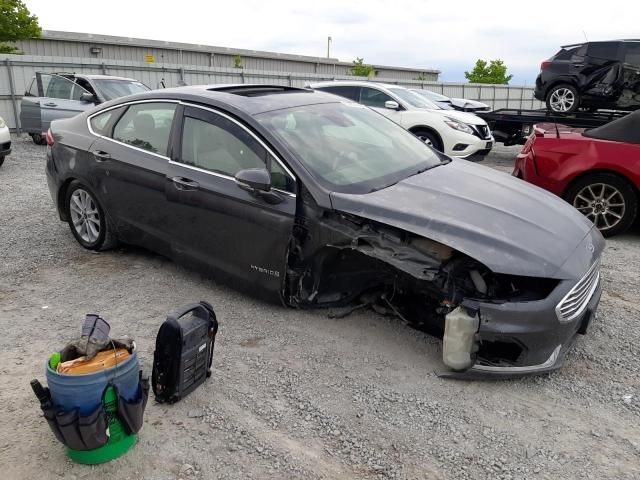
{"x": 5, "y": 141}
{"x": 457, "y": 134}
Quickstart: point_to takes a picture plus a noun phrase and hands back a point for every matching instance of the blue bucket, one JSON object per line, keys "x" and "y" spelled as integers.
{"x": 84, "y": 392}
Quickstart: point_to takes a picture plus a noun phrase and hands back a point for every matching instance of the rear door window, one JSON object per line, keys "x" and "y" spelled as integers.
{"x": 146, "y": 126}
{"x": 604, "y": 50}
{"x": 101, "y": 123}
{"x": 566, "y": 54}
{"x": 373, "y": 98}
{"x": 344, "y": 91}
{"x": 632, "y": 53}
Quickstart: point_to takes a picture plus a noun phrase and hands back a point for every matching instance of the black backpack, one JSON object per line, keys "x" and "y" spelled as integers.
{"x": 184, "y": 351}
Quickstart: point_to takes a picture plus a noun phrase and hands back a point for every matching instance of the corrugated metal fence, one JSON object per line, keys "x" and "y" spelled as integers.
{"x": 16, "y": 72}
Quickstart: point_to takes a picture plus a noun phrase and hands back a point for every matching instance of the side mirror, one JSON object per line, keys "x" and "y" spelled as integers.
{"x": 391, "y": 105}
{"x": 88, "y": 98}
{"x": 254, "y": 179}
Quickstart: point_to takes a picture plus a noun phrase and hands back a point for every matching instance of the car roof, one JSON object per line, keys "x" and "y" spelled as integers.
{"x": 104, "y": 77}
{"x": 354, "y": 83}
{"x": 624, "y": 40}
{"x": 249, "y": 98}
{"x": 90, "y": 76}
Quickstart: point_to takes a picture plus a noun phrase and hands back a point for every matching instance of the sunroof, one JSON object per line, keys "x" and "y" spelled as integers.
{"x": 257, "y": 90}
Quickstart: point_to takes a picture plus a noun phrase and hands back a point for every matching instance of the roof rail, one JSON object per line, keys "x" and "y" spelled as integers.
{"x": 602, "y": 41}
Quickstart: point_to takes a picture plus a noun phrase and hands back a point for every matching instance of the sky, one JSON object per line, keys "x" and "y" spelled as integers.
{"x": 445, "y": 35}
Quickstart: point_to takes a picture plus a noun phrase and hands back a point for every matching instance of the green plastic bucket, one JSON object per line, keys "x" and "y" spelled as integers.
{"x": 119, "y": 441}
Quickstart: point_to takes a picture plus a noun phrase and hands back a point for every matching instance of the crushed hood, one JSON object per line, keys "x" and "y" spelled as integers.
{"x": 510, "y": 226}
{"x": 472, "y": 104}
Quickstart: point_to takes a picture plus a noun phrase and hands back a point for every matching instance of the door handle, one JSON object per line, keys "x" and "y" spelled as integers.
{"x": 101, "y": 156}
{"x": 182, "y": 183}
{"x": 50, "y": 104}
{"x": 578, "y": 65}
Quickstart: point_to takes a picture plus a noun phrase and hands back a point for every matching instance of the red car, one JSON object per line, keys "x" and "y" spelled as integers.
{"x": 596, "y": 170}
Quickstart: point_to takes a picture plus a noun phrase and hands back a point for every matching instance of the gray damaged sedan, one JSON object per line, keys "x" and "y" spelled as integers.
{"x": 321, "y": 202}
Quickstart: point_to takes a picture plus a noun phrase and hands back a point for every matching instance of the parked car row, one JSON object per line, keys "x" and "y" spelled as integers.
{"x": 319, "y": 201}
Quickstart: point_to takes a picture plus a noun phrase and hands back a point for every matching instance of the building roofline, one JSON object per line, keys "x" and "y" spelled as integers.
{"x": 192, "y": 47}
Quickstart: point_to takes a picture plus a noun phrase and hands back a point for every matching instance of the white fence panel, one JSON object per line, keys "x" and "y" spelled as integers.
{"x": 22, "y": 68}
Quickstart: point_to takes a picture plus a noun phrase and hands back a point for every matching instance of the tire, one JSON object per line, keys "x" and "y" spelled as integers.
{"x": 1, "y": 160}
{"x": 430, "y": 138}
{"x": 87, "y": 220}
{"x": 608, "y": 200}
{"x": 563, "y": 98}
{"x": 38, "y": 139}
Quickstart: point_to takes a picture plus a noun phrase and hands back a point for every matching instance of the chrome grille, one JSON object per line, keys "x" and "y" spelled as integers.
{"x": 482, "y": 131}
{"x": 574, "y": 303}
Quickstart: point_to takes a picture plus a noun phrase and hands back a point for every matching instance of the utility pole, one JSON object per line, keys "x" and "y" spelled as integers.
{"x": 328, "y": 46}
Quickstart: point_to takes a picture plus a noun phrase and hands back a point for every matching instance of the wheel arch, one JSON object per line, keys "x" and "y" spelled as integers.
{"x": 596, "y": 171}
{"x": 417, "y": 128}
{"x": 62, "y": 195}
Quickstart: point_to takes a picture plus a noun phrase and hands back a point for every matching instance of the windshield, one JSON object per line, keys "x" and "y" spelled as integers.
{"x": 433, "y": 96}
{"x": 112, "y": 88}
{"x": 348, "y": 147}
{"x": 413, "y": 99}
{"x": 440, "y": 101}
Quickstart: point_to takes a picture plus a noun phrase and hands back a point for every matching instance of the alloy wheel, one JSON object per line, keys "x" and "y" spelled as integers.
{"x": 426, "y": 140}
{"x": 85, "y": 215}
{"x": 601, "y": 203}
{"x": 562, "y": 100}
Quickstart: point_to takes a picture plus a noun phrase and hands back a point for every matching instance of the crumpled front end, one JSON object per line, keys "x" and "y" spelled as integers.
{"x": 516, "y": 338}
{"x": 493, "y": 324}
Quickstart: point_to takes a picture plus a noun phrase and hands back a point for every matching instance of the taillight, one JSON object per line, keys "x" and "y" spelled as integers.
{"x": 49, "y": 137}
{"x": 545, "y": 64}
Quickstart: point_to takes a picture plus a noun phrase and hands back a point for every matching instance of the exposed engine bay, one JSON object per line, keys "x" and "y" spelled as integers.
{"x": 342, "y": 261}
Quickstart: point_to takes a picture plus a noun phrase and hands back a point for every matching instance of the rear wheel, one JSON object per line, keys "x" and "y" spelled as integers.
{"x": 38, "y": 139}
{"x": 563, "y": 98}
{"x": 1, "y": 160}
{"x": 609, "y": 201}
{"x": 429, "y": 138}
{"x": 87, "y": 220}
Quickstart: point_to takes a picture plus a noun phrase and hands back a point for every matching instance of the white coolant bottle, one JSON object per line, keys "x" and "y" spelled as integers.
{"x": 459, "y": 339}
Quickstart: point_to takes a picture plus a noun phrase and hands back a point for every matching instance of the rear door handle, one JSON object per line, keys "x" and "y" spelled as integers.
{"x": 182, "y": 183}
{"x": 50, "y": 104}
{"x": 578, "y": 65}
{"x": 101, "y": 156}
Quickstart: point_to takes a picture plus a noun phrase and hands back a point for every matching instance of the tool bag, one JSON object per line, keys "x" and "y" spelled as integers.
{"x": 184, "y": 352}
{"x": 87, "y": 432}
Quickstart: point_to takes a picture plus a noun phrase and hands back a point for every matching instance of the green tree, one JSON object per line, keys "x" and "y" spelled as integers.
{"x": 495, "y": 73}
{"x": 16, "y": 23}
{"x": 360, "y": 69}
{"x": 237, "y": 61}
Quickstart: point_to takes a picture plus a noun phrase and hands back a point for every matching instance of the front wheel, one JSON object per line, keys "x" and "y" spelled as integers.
{"x": 609, "y": 201}
{"x": 87, "y": 219}
{"x": 563, "y": 98}
{"x": 429, "y": 138}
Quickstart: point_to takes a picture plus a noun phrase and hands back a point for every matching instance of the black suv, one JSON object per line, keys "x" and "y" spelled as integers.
{"x": 590, "y": 76}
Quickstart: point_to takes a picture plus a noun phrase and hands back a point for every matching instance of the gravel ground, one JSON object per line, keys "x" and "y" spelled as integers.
{"x": 296, "y": 394}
